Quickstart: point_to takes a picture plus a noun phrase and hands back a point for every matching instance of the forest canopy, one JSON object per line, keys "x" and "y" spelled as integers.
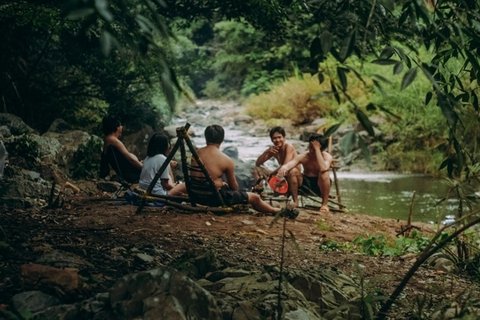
{"x": 81, "y": 59}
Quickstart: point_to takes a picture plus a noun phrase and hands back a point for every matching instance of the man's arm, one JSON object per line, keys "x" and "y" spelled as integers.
{"x": 230, "y": 175}
{"x": 283, "y": 170}
{"x": 324, "y": 159}
{"x": 123, "y": 150}
{"x": 266, "y": 155}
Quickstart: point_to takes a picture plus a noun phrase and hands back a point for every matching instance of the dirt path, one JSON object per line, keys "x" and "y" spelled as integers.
{"x": 93, "y": 229}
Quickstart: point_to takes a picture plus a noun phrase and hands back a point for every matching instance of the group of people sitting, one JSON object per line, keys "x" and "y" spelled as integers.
{"x": 316, "y": 162}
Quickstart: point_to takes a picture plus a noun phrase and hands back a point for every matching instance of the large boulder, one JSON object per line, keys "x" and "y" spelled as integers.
{"x": 162, "y": 293}
{"x": 15, "y": 124}
{"x": 70, "y": 142}
{"x": 137, "y": 142}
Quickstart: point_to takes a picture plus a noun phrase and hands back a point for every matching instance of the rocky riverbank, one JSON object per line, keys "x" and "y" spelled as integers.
{"x": 73, "y": 250}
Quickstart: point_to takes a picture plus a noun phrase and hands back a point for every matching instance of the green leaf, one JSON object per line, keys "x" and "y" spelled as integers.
{"x": 347, "y": 46}
{"x": 387, "y": 53}
{"x": 326, "y": 40}
{"x": 335, "y": 92}
{"x": 388, "y": 4}
{"x": 475, "y": 101}
{"x": 342, "y": 76}
{"x": 385, "y": 61}
{"x": 106, "y": 42}
{"x": 428, "y": 97}
{"x": 347, "y": 142}
{"x": 366, "y": 123}
{"x": 403, "y": 56}
{"x": 398, "y": 67}
{"x": 331, "y": 130}
{"x": 102, "y": 8}
{"x": 408, "y": 78}
{"x": 378, "y": 85}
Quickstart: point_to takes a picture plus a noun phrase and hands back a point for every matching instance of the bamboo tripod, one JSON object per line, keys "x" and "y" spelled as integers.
{"x": 182, "y": 139}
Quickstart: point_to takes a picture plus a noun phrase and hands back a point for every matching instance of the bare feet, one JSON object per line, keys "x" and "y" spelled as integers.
{"x": 324, "y": 209}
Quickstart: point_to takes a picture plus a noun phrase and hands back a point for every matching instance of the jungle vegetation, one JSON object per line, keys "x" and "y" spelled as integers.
{"x": 417, "y": 61}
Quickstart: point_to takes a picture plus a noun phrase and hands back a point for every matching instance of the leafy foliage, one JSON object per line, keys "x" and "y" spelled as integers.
{"x": 23, "y": 147}
{"x": 87, "y": 159}
{"x": 379, "y": 246}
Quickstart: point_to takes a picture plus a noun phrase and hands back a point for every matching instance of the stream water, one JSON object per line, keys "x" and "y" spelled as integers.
{"x": 381, "y": 194}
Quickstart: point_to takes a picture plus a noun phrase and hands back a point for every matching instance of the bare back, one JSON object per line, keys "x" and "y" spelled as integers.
{"x": 218, "y": 165}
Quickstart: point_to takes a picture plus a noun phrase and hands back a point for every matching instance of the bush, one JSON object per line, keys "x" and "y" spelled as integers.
{"x": 87, "y": 159}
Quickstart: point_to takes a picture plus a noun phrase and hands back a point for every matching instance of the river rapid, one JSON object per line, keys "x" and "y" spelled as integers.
{"x": 384, "y": 194}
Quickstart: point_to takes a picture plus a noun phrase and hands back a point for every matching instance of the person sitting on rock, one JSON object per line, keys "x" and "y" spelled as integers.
{"x": 283, "y": 152}
{"x": 116, "y": 155}
{"x": 316, "y": 166}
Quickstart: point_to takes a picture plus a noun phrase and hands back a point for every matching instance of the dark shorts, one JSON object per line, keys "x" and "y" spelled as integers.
{"x": 310, "y": 185}
{"x": 230, "y": 198}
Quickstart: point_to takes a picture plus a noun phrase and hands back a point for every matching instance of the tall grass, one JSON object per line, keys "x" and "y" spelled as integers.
{"x": 301, "y": 99}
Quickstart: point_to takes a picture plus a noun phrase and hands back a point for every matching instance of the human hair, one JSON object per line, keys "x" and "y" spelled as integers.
{"x": 159, "y": 144}
{"x": 214, "y": 134}
{"x": 320, "y": 138}
{"x": 277, "y": 129}
{"x": 110, "y": 124}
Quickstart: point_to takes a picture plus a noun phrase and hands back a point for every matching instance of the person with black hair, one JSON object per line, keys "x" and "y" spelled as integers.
{"x": 316, "y": 163}
{"x": 157, "y": 150}
{"x": 219, "y": 165}
{"x": 283, "y": 152}
{"x": 115, "y": 154}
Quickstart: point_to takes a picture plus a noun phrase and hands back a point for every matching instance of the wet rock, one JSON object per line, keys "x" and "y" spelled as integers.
{"x": 242, "y": 120}
{"x": 231, "y": 151}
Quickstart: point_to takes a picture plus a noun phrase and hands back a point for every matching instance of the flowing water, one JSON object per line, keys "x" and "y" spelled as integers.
{"x": 381, "y": 194}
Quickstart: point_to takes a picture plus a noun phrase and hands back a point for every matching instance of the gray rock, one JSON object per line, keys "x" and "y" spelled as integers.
{"x": 59, "y": 125}
{"x": 15, "y": 124}
{"x": 162, "y": 294}
{"x": 32, "y": 301}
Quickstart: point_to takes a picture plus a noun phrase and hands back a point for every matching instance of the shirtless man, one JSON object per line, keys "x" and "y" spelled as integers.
{"x": 219, "y": 165}
{"x": 112, "y": 130}
{"x": 316, "y": 166}
{"x": 283, "y": 152}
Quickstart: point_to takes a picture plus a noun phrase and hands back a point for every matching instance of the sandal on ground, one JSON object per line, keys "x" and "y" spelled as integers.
{"x": 324, "y": 209}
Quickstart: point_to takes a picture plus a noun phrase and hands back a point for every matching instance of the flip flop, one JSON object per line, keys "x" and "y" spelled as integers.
{"x": 324, "y": 209}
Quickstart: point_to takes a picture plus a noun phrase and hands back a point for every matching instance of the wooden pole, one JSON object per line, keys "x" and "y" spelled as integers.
{"x": 334, "y": 170}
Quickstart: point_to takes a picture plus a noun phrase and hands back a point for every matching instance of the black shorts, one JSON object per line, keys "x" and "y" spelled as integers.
{"x": 230, "y": 197}
{"x": 310, "y": 185}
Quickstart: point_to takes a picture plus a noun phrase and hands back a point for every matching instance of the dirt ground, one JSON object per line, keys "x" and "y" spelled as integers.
{"x": 93, "y": 226}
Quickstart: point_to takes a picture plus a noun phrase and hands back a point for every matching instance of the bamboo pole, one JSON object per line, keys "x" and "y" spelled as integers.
{"x": 334, "y": 170}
